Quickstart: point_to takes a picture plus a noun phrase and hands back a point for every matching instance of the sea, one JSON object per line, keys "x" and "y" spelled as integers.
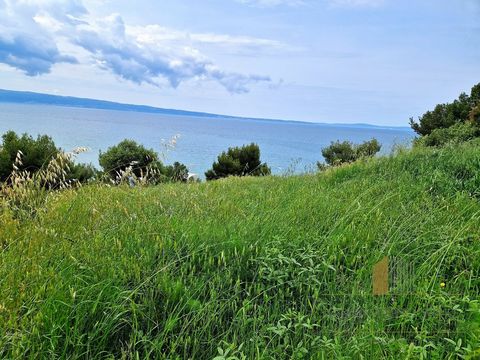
{"x": 287, "y": 146}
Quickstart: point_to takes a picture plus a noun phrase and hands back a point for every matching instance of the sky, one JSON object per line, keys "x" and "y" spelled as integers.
{"x": 332, "y": 61}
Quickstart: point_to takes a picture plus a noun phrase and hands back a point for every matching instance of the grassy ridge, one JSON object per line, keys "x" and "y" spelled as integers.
{"x": 268, "y": 268}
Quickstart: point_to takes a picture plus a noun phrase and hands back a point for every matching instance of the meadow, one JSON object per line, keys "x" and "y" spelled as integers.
{"x": 277, "y": 267}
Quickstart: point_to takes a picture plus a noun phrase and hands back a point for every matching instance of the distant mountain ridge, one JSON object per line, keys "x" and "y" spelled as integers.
{"x": 28, "y": 97}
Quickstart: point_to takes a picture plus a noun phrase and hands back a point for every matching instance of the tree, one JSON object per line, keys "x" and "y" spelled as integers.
{"x": 81, "y": 172}
{"x": 127, "y": 154}
{"x": 338, "y": 153}
{"x": 143, "y": 163}
{"x": 474, "y": 116}
{"x": 176, "y": 172}
{"x": 446, "y": 115}
{"x": 368, "y": 148}
{"x": 475, "y": 96}
{"x": 35, "y": 155}
{"x": 238, "y": 161}
{"x": 36, "y": 152}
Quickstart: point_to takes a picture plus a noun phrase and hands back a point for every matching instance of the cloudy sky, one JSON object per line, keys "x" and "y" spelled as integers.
{"x": 372, "y": 61}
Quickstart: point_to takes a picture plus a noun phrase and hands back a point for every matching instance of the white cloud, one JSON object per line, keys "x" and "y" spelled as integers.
{"x": 31, "y": 32}
{"x": 167, "y": 37}
{"x": 24, "y": 44}
{"x": 152, "y": 57}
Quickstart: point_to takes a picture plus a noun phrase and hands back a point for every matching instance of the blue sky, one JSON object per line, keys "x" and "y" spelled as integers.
{"x": 337, "y": 61}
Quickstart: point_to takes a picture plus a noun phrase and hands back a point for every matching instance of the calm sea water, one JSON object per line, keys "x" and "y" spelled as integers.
{"x": 285, "y": 146}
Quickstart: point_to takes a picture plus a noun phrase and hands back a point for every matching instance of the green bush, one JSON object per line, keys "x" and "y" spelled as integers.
{"x": 454, "y": 134}
{"x": 338, "y": 153}
{"x": 368, "y": 148}
{"x": 128, "y": 154}
{"x": 475, "y": 116}
{"x": 36, "y": 153}
{"x": 176, "y": 172}
{"x": 82, "y": 172}
{"x": 238, "y": 161}
{"x": 446, "y": 115}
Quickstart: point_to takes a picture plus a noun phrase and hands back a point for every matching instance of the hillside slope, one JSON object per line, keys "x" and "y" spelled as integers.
{"x": 268, "y": 268}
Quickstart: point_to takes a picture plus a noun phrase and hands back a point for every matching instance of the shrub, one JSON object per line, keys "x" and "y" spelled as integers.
{"x": 446, "y": 115}
{"x": 474, "y": 116}
{"x": 81, "y": 172}
{"x": 176, "y": 172}
{"x": 454, "y": 134}
{"x": 368, "y": 148}
{"x": 27, "y": 191}
{"x": 36, "y": 154}
{"x": 129, "y": 158}
{"x": 238, "y": 161}
{"x": 345, "y": 152}
{"x": 129, "y": 154}
{"x": 339, "y": 152}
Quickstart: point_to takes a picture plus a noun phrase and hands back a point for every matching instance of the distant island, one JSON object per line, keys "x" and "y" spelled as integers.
{"x": 27, "y": 97}
{"x": 34, "y": 98}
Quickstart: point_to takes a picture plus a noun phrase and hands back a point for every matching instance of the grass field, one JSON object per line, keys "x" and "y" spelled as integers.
{"x": 252, "y": 268}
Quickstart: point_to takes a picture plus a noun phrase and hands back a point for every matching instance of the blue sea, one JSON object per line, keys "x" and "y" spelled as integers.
{"x": 287, "y": 146}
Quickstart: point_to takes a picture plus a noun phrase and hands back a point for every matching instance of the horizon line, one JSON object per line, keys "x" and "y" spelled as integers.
{"x": 90, "y": 103}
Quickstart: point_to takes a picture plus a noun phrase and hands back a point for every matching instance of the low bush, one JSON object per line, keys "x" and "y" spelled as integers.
{"x": 36, "y": 154}
{"x": 238, "y": 161}
{"x": 176, "y": 172}
{"x": 129, "y": 155}
{"x": 474, "y": 116}
{"x": 454, "y": 134}
{"x": 338, "y": 153}
{"x": 128, "y": 159}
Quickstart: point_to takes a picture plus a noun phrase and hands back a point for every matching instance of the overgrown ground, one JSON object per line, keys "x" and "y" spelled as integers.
{"x": 254, "y": 268}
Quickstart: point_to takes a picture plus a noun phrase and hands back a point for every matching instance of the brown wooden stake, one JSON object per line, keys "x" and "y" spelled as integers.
{"x": 380, "y": 277}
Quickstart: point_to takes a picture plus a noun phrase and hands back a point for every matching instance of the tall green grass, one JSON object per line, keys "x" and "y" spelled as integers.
{"x": 252, "y": 268}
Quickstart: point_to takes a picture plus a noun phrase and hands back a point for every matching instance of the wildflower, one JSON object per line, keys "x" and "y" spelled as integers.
{"x": 442, "y": 284}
